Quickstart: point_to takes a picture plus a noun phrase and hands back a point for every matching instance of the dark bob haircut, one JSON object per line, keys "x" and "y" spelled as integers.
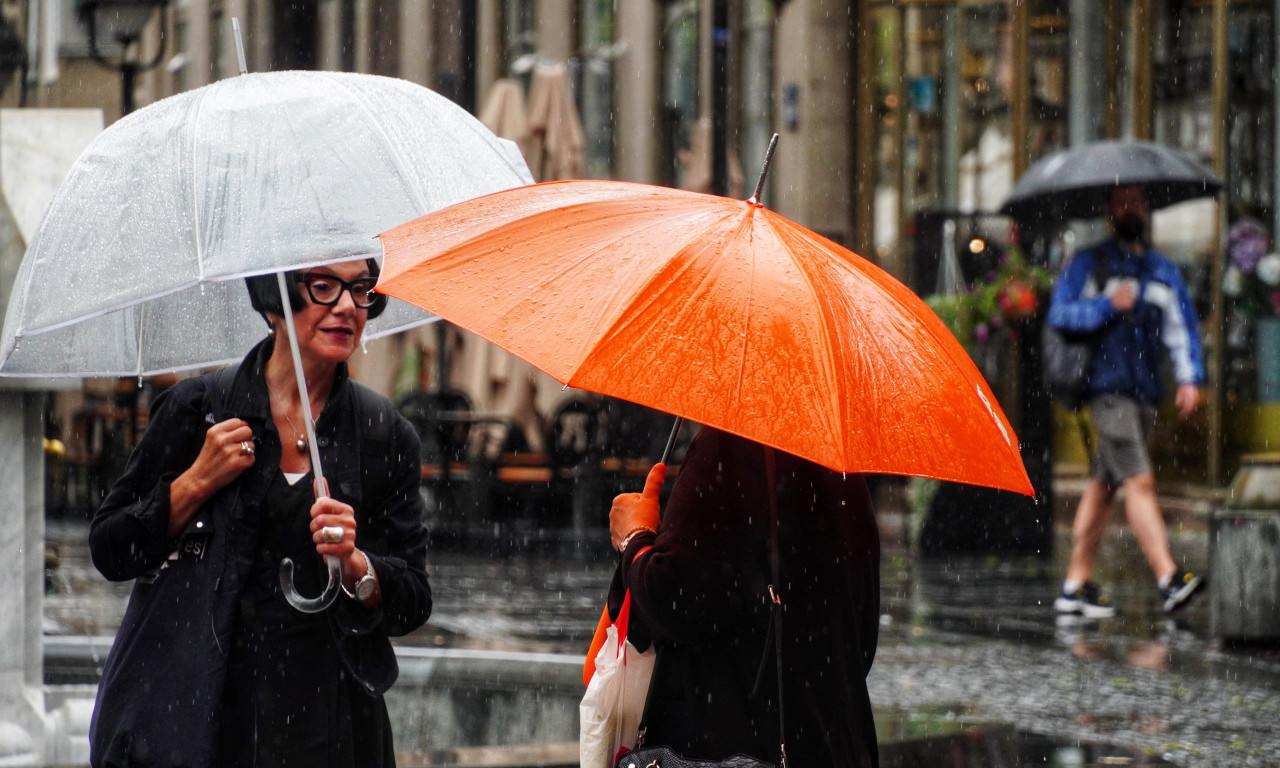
{"x": 264, "y": 293}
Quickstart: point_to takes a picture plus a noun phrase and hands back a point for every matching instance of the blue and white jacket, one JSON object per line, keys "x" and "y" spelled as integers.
{"x": 1127, "y": 359}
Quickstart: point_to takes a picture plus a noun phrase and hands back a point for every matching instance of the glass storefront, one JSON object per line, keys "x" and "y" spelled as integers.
{"x": 969, "y": 94}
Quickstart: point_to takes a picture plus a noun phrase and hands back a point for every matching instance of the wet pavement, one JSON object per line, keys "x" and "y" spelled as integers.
{"x": 974, "y": 667}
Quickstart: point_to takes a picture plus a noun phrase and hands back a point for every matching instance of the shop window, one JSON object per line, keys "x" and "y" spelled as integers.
{"x": 594, "y": 66}
{"x": 756, "y": 87}
{"x": 680, "y": 79}
{"x": 521, "y": 36}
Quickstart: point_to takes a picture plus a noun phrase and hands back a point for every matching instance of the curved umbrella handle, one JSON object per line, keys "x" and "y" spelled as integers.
{"x": 311, "y": 604}
{"x": 326, "y": 598}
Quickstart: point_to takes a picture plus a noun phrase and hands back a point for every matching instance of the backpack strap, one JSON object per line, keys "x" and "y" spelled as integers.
{"x": 1101, "y": 267}
{"x": 215, "y": 397}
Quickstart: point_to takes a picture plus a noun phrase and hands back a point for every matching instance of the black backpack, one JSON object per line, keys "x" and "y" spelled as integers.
{"x": 1066, "y": 357}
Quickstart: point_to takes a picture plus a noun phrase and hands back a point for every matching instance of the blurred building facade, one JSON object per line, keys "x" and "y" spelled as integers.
{"x": 896, "y": 117}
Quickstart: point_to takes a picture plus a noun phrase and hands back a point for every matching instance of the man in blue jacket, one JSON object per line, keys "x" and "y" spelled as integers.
{"x": 1135, "y": 302}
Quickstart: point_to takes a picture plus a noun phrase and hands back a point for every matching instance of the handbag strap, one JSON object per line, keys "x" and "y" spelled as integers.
{"x": 775, "y": 565}
{"x": 773, "y": 635}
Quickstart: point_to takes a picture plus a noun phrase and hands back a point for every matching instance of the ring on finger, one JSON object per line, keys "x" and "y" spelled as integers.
{"x": 331, "y": 534}
{"x": 246, "y": 448}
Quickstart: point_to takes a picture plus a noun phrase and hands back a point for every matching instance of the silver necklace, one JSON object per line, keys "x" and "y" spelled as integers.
{"x": 301, "y": 445}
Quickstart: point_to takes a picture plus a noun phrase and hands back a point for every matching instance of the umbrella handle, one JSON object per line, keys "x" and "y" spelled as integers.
{"x": 326, "y": 598}
{"x": 311, "y": 604}
{"x": 671, "y": 441}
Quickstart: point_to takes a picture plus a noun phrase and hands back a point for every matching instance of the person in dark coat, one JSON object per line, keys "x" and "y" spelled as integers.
{"x": 699, "y": 587}
{"x": 212, "y": 667}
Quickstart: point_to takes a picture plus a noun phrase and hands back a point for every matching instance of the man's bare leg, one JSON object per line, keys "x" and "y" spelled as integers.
{"x": 1142, "y": 508}
{"x": 1092, "y": 515}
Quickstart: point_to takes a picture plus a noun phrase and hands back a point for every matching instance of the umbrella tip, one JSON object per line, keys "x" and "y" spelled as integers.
{"x": 764, "y": 171}
{"x": 235, "y": 33}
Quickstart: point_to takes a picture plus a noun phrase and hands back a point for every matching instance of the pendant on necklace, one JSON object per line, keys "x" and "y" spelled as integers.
{"x": 301, "y": 445}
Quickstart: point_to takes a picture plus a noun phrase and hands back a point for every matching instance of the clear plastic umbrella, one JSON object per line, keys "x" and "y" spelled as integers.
{"x": 136, "y": 268}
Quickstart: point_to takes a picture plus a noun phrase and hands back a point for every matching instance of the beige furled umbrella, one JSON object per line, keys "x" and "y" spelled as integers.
{"x": 696, "y": 161}
{"x": 558, "y": 142}
{"x": 505, "y": 113}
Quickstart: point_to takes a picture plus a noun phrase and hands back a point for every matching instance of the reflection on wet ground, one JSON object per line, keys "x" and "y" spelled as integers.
{"x": 980, "y": 634}
{"x": 974, "y": 668}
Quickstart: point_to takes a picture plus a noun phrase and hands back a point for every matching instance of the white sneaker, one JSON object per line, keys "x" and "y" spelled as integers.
{"x": 1087, "y": 601}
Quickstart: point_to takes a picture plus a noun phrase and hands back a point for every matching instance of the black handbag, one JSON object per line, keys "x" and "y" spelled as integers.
{"x": 662, "y": 757}
{"x": 665, "y": 757}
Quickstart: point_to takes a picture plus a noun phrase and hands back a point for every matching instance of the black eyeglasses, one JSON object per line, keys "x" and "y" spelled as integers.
{"x": 326, "y": 289}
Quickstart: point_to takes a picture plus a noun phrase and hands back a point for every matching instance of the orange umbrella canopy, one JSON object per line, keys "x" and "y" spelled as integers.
{"x": 717, "y": 310}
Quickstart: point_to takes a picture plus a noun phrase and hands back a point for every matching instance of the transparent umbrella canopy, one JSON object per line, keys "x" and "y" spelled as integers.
{"x": 135, "y": 268}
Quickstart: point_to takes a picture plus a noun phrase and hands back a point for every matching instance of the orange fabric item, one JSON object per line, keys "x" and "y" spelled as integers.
{"x": 597, "y": 642}
{"x": 717, "y": 310}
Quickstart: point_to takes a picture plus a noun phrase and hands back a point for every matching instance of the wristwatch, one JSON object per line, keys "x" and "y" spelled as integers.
{"x": 366, "y": 584}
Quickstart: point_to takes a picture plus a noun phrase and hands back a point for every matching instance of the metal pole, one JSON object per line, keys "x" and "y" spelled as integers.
{"x": 1213, "y": 401}
{"x": 1110, "y": 71}
{"x": 442, "y": 357}
{"x": 128, "y": 78}
{"x": 1142, "y": 82}
{"x": 719, "y": 97}
{"x": 1020, "y": 99}
{"x": 1085, "y": 63}
{"x": 951, "y": 116}
{"x": 901, "y": 267}
{"x": 1275, "y": 125}
{"x": 866, "y": 64}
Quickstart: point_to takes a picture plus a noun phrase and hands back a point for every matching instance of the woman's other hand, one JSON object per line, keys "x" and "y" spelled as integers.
{"x": 228, "y": 450}
{"x": 637, "y": 511}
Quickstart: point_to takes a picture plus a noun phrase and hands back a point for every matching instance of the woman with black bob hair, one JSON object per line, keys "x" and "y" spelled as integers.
{"x": 212, "y": 666}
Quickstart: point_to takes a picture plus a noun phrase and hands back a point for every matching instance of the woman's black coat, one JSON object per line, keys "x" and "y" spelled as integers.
{"x": 161, "y": 689}
{"x": 700, "y": 588}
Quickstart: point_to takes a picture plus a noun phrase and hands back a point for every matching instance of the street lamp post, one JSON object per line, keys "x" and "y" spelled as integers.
{"x": 121, "y": 22}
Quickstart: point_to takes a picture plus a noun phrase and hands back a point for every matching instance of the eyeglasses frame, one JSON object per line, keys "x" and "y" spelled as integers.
{"x": 305, "y": 277}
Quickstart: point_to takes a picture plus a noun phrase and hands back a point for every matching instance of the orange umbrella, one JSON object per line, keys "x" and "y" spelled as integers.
{"x": 717, "y": 310}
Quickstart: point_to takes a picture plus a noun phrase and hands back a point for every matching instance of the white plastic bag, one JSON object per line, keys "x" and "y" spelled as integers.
{"x": 609, "y": 716}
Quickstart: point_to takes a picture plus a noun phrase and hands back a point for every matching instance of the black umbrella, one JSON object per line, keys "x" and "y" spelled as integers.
{"x": 1073, "y": 183}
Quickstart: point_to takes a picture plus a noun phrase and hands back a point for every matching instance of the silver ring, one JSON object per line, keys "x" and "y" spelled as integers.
{"x": 246, "y": 448}
{"x": 331, "y": 534}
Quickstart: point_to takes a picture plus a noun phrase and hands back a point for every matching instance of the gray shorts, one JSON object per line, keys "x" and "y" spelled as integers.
{"x": 1124, "y": 428}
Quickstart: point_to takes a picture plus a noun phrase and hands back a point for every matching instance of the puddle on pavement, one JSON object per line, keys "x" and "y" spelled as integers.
{"x": 957, "y": 737}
